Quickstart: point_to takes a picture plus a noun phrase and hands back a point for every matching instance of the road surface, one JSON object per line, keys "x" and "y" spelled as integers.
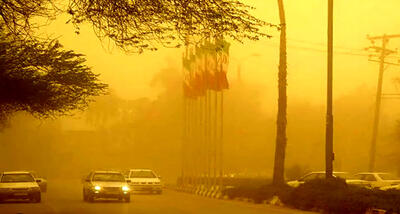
{"x": 65, "y": 197}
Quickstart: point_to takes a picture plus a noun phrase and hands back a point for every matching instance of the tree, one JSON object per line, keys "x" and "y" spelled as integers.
{"x": 16, "y": 14}
{"x": 280, "y": 146}
{"x": 142, "y": 25}
{"x": 42, "y": 79}
{"x": 133, "y": 25}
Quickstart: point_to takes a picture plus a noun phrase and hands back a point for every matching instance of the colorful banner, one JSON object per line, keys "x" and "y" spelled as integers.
{"x": 205, "y": 67}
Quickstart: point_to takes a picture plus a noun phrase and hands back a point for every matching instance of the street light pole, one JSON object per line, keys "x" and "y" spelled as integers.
{"x": 329, "y": 155}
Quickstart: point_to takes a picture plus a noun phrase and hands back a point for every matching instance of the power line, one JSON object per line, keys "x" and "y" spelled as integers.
{"x": 321, "y": 50}
{"x": 324, "y": 44}
{"x": 387, "y": 63}
{"x": 363, "y": 51}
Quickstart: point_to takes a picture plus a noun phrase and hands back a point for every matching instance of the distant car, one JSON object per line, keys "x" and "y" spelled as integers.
{"x": 321, "y": 175}
{"x": 104, "y": 185}
{"x": 19, "y": 185}
{"x": 144, "y": 180}
{"x": 378, "y": 179}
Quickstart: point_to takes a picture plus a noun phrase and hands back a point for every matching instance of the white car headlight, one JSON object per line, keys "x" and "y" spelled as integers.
{"x": 97, "y": 188}
{"x": 125, "y": 188}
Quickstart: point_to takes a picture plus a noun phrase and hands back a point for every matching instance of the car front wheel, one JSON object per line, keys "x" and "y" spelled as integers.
{"x": 127, "y": 198}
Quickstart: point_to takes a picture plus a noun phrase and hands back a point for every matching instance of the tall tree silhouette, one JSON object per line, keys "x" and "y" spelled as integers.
{"x": 281, "y": 139}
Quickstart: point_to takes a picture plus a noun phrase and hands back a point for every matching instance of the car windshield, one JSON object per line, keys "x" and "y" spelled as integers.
{"x": 112, "y": 177}
{"x": 142, "y": 174}
{"x": 386, "y": 176}
{"x": 13, "y": 178}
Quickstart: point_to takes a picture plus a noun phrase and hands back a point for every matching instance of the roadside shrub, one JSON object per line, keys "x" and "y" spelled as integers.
{"x": 242, "y": 190}
{"x": 388, "y": 200}
{"x": 258, "y": 192}
{"x": 268, "y": 191}
{"x": 333, "y": 196}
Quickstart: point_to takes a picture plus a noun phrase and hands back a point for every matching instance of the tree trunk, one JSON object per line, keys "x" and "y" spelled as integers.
{"x": 280, "y": 147}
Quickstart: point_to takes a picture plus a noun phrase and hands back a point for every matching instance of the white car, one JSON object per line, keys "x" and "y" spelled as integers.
{"x": 144, "y": 180}
{"x": 105, "y": 184}
{"x": 321, "y": 175}
{"x": 19, "y": 185}
{"x": 378, "y": 179}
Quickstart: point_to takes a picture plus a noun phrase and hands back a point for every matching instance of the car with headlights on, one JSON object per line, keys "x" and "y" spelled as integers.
{"x": 144, "y": 181}
{"x": 19, "y": 185}
{"x": 105, "y": 185}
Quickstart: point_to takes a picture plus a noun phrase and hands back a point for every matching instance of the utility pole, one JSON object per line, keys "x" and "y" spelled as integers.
{"x": 383, "y": 53}
{"x": 329, "y": 156}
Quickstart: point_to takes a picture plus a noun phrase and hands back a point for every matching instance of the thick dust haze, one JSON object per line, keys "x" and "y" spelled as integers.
{"x": 139, "y": 124}
{"x": 118, "y": 133}
{"x": 232, "y": 100}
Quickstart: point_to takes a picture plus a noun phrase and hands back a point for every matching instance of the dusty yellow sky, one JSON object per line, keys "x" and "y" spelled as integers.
{"x": 130, "y": 75}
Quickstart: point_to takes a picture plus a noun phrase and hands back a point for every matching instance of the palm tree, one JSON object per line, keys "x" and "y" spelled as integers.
{"x": 280, "y": 147}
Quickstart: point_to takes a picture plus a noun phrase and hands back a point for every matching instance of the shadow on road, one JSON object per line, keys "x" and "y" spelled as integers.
{"x": 109, "y": 201}
{"x": 144, "y": 193}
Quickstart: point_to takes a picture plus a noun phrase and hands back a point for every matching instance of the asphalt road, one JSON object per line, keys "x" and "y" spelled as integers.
{"x": 65, "y": 197}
